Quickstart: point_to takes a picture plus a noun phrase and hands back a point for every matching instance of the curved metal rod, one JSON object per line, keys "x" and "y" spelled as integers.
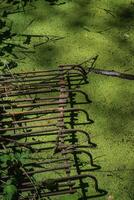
{"x": 46, "y": 111}
{"x": 71, "y": 91}
{"x": 54, "y": 74}
{"x": 41, "y": 133}
{"x": 25, "y": 92}
{"x": 81, "y": 176}
{"x": 73, "y": 67}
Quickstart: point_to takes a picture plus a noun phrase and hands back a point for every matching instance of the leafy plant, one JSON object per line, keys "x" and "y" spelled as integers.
{"x": 10, "y": 191}
{"x": 12, "y": 166}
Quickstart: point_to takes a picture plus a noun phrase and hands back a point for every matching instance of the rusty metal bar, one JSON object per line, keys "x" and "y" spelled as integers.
{"x": 47, "y": 71}
{"x": 41, "y": 75}
{"x": 48, "y": 161}
{"x": 47, "y": 111}
{"x": 34, "y": 119}
{"x": 41, "y": 133}
{"x": 31, "y": 99}
{"x": 60, "y": 140}
{"x": 55, "y": 138}
{"x": 45, "y": 81}
{"x": 48, "y": 194}
{"x": 34, "y": 105}
{"x": 77, "y": 177}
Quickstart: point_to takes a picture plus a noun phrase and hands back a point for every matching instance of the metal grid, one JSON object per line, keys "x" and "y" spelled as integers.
{"x": 40, "y": 114}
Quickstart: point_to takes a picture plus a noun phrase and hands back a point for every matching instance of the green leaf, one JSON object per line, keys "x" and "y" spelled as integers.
{"x": 10, "y": 191}
{"x": 5, "y": 158}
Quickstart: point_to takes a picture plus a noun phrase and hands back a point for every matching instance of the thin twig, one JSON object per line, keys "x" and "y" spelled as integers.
{"x": 36, "y": 191}
{"x": 5, "y": 139}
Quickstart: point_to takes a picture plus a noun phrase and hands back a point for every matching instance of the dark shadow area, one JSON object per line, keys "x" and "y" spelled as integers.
{"x": 125, "y": 44}
{"x": 118, "y": 28}
{"x": 116, "y": 116}
{"x": 130, "y": 187}
{"x": 80, "y": 16}
{"x": 46, "y": 55}
{"x": 126, "y": 12}
{"x": 84, "y": 186}
{"x": 123, "y": 17}
{"x": 64, "y": 85}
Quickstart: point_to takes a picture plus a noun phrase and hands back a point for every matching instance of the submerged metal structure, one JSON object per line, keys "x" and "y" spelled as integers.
{"x": 41, "y": 117}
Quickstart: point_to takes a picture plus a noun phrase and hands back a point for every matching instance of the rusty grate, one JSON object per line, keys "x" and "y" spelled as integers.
{"x": 40, "y": 114}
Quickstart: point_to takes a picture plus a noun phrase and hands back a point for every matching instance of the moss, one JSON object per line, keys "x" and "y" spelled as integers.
{"x": 112, "y": 107}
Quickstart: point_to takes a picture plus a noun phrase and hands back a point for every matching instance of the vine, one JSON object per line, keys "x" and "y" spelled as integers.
{"x": 10, "y": 50}
{"x": 12, "y": 167}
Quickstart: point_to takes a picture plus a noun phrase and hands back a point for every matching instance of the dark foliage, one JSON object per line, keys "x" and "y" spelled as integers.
{"x": 55, "y": 2}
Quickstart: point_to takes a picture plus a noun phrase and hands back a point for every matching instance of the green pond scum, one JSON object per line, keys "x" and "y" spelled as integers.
{"x": 69, "y": 32}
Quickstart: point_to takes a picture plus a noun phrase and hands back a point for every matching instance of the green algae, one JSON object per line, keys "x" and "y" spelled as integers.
{"x": 92, "y": 27}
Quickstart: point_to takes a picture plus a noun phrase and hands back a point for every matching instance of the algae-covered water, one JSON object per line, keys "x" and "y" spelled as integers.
{"x": 88, "y": 28}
